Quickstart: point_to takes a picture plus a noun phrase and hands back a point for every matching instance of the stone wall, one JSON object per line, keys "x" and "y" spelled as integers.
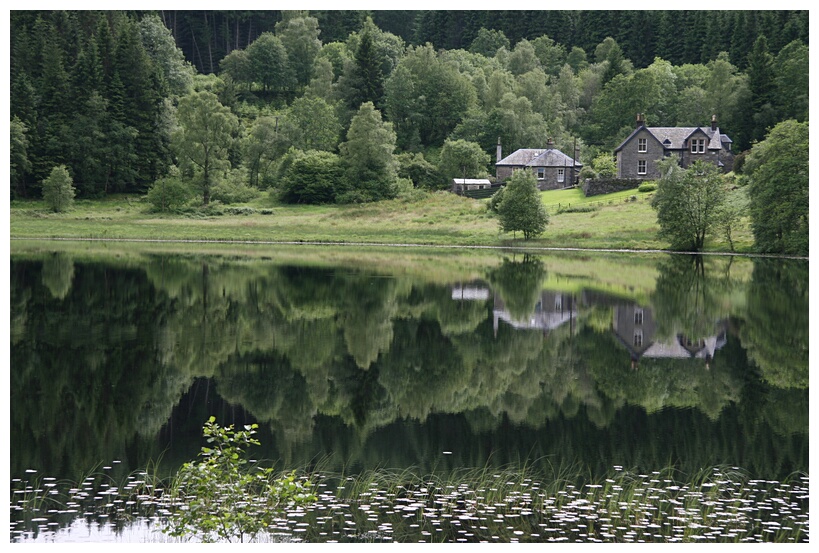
{"x": 595, "y": 187}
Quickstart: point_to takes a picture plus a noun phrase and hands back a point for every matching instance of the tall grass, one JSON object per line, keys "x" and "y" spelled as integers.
{"x": 485, "y": 504}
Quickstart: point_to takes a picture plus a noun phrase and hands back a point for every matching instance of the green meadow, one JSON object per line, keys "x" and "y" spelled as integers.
{"x": 623, "y": 220}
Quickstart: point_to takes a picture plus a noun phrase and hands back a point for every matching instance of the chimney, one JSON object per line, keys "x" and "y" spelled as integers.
{"x": 550, "y": 143}
{"x": 499, "y": 150}
{"x": 640, "y": 120}
{"x": 713, "y": 122}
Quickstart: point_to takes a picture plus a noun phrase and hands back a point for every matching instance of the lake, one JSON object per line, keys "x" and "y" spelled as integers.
{"x": 430, "y": 360}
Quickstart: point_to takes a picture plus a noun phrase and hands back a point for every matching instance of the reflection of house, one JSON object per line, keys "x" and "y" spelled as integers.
{"x": 552, "y": 168}
{"x": 636, "y": 328}
{"x": 470, "y": 293}
{"x": 552, "y": 310}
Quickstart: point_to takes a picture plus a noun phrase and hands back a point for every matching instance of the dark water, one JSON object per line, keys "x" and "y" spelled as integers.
{"x": 394, "y": 360}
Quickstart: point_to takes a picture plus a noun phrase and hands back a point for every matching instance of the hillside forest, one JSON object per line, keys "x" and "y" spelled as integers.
{"x": 233, "y": 103}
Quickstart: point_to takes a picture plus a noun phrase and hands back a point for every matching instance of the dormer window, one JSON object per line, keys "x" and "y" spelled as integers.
{"x": 697, "y": 145}
{"x": 642, "y": 145}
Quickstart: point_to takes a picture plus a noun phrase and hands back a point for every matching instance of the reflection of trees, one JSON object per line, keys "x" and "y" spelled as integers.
{"x": 660, "y": 382}
{"x": 775, "y": 330}
{"x": 519, "y": 284}
{"x": 58, "y": 272}
{"x": 691, "y": 296}
{"x": 84, "y": 381}
{"x": 345, "y": 359}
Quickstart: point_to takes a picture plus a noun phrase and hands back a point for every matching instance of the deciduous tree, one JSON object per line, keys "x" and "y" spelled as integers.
{"x": 205, "y": 134}
{"x": 370, "y": 166}
{"x": 778, "y": 171}
{"x": 58, "y": 189}
{"x": 521, "y": 209}
{"x": 462, "y": 159}
{"x": 688, "y": 203}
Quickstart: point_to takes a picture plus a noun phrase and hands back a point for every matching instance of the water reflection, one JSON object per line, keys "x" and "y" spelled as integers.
{"x": 558, "y": 359}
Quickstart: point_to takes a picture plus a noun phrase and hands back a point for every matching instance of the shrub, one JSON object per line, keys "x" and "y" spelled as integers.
{"x": 312, "y": 177}
{"x": 233, "y": 190}
{"x": 224, "y": 500}
{"x": 58, "y": 189}
{"x": 587, "y": 173}
{"x": 495, "y": 200}
{"x": 605, "y": 166}
{"x": 647, "y": 187}
{"x": 169, "y": 194}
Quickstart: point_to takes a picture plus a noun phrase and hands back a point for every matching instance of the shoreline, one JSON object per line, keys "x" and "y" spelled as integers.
{"x": 405, "y": 245}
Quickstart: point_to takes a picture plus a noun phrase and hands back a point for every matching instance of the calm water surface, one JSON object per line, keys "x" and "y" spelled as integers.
{"x": 432, "y": 361}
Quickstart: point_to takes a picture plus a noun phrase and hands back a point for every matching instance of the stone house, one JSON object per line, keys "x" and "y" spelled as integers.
{"x": 552, "y": 168}
{"x": 638, "y": 154}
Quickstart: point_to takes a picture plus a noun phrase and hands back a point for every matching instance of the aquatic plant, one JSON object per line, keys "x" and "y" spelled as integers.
{"x": 218, "y": 499}
{"x": 486, "y": 504}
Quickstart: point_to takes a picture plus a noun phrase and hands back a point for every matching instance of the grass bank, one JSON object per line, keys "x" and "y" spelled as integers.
{"x": 623, "y": 220}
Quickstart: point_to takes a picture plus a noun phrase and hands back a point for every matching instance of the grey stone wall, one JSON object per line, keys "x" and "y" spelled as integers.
{"x": 595, "y": 187}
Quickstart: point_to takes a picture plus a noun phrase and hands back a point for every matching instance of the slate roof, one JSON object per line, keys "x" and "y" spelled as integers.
{"x": 529, "y": 157}
{"x": 673, "y": 138}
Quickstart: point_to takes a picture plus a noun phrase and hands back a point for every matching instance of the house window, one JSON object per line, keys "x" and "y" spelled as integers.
{"x": 642, "y": 145}
{"x": 638, "y": 338}
{"x": 638, "y": 316}
{"x": 561, "y": 174}
{"x": 697, "y": 145}
{"x": 641, "y": 167}
{"x": 541, "y": 173}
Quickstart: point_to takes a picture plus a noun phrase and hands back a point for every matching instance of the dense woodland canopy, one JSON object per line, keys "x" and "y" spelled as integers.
{"x": 100, "y": 91}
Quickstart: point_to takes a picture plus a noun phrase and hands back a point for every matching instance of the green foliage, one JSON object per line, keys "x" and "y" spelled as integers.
{"x": 488, "y": 41}
{"x": 58, "y": 189}
{"x": 688, "y": 202}
{"x": 777, "y": 169}
{"x": 311, "y": 124}
{"x": 233, "y": 189}
{"x": 268, "y": 63}
{"x": 225, "y": 500}
{"x": 647, "y": 187}
{"x": 169, "y": 194}
{"x": 520, "y": 208}
{"x": 204, "y": 138}
{"x": 421, "y": 172}
{"x": 161, "y": 48}
{"x": 311, "y": 177}
{"x": 299, "y": 36}
{"x": 605, "y": 166}
{"x": 462, "y": 159}
{"x": 495, "y": 200}
{"x": 367, "y": 156}
{"x": 19, "y": 163}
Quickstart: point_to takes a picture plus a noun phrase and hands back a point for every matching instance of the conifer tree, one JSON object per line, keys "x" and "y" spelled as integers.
{"x": 368, "y": 69}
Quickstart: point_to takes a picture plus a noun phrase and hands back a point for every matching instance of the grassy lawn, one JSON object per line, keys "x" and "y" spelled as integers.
{"x": 622, "y": 220}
